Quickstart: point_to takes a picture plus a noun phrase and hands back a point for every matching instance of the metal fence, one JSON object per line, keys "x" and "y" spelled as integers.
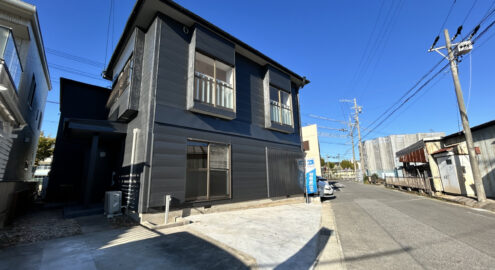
{"x": 410, "y": 182}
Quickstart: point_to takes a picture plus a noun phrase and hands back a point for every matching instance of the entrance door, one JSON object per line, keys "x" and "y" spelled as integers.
{"x": 448, "y": 173}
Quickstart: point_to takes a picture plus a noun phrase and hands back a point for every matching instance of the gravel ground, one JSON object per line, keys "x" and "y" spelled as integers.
{"x": 40, "y": 225}
{"x": 37, "y": 226}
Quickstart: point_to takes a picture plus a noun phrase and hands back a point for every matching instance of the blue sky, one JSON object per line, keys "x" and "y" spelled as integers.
{"x": 370, "y": 50}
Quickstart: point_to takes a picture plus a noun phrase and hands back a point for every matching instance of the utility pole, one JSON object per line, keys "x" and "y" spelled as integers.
{"x": 351, "y": 129}
{"x": 357, "y": 111}
{"x": 480, "y": 191}
{"x": 453, "y": 51}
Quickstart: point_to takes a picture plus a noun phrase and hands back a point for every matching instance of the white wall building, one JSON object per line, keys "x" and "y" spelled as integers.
{"x": 312, "y": 145}
{"x": 24, "y": 86}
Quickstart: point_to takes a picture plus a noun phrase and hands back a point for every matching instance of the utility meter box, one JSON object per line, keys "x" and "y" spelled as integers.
{"x": 113, "y": 203}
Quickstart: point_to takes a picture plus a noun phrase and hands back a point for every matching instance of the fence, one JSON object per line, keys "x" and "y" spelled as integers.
{"x": 410, "y": 182}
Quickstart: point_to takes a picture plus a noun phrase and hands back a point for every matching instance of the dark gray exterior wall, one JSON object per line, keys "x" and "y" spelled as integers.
{"x": 247, "y": 135}
{"x": 164, "y": 124}
{"x": 134, "y": 187}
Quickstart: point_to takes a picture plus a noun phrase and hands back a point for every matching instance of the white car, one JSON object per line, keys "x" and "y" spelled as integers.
{"x": 324, "y": 188}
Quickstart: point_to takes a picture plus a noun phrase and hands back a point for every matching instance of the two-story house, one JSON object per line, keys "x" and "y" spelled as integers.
{"x": 24, "y": 86}
{"x": 202, "y": 116}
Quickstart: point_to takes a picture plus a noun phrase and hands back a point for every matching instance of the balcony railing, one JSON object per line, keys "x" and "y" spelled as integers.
{"x": 214, "y": 92}
{"x": 280, "y": 113}
{"x": 9, "y": 55}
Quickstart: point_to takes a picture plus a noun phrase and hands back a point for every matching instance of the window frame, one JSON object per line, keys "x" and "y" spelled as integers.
{"x": 32, "y": 91}
{"x": 212, "y": 109}
{"x": 117, "y": 93}
{"x": 279, "y": 91}
{"x": 208, "y": 198}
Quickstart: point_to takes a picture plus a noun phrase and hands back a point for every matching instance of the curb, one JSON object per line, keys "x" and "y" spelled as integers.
{"x": 331, "y": 255}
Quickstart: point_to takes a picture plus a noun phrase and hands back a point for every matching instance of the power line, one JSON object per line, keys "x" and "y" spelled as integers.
{"x": 489, "y": 14}
{"x": 407, "y": 99}
{"x": 108, "y": 31}
{"x": 75, "y": 71}
{"x": 469, "y": 12}
{"x": 446, "y": 18}
{"x": 75, "y": 58}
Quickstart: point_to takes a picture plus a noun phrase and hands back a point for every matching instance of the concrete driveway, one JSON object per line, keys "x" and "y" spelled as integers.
{"x": 279, "y": 237}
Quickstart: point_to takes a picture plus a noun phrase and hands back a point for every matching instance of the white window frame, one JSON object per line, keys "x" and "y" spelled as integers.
{"x": 279, "y": 91}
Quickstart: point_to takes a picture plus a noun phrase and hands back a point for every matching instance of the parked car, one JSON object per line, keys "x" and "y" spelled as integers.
{"x": 325, "y": 190}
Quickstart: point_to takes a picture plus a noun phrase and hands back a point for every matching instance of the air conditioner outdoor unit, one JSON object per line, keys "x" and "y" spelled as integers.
{"x": 113, "y": 202}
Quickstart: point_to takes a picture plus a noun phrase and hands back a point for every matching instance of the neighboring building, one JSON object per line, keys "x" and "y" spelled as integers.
{"x": 41, "y": 175}
{"x": 311, "y": 145}
{"x": 194, "y": 113}
{"x": 42, "y": 169}
{"x": 418, "y": 161}
{"x": 379, "y": 153}
{"x": 24, "y": 86}
{"x": 448, "y": 163}
{"x": 455, "y": 145}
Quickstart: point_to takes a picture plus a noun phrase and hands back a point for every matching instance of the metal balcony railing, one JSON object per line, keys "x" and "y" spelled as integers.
{"x": 9, "y": 55}
{"x": 280, "y": 113}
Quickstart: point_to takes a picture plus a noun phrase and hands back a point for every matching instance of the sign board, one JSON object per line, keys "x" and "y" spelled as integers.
{"x": 310, "y": 176}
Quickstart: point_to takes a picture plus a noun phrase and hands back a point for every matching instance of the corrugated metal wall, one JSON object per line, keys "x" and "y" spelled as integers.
{"x": 380, "y": 152}
{"x": 282, "y": 172}
{"x": 484, "y": 139}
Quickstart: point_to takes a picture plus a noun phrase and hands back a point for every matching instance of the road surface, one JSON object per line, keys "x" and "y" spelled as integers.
{"x": 380, "y": 228}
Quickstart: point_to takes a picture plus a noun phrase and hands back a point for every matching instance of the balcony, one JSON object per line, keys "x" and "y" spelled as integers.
{"x": 10, "y": 77}
{"x": 9, "y": 56}
{"x": 213, "y": 97}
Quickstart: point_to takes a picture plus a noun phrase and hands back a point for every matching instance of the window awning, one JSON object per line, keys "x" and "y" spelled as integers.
{"x": 413, "y": 153}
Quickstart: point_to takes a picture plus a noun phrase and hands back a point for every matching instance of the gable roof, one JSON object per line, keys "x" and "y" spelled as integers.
{"x": 145, "y": 11}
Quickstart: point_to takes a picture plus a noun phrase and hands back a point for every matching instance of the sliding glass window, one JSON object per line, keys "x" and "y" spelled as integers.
{"x": 208, "y": 171}
{"x": 213, "y": 82}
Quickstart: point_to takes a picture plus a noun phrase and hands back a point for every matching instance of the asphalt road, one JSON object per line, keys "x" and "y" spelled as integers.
{"x": 381, "y": 228}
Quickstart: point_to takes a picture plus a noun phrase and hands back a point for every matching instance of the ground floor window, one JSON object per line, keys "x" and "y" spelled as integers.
{"x": 208, "y": 171}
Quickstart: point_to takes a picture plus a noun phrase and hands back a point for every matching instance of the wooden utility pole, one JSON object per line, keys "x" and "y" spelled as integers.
{"x": 480, "y": 191}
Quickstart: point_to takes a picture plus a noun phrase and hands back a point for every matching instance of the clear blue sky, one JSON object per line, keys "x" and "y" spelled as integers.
{"x": 329, "y": 42}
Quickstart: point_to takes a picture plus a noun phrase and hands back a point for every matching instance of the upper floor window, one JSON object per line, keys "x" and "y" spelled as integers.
{"x": 9, "y": 55}
{"x": 280, "y": 106}
{"x": 122, "y": 81}
{"x": 32, "y": 91}
{"x": 213, "y": 82}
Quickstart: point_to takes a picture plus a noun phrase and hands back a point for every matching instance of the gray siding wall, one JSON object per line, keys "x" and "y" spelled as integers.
{"x": 174, "y": 124}
{"x": 23, "y": 150}
{"x": 5, "y": 146}
{"x": 484, "y": 139}
{"x": 138, "y": 189}
{"x": 248, "y": 169}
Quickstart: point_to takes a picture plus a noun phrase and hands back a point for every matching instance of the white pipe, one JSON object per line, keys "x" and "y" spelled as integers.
{"x": 167, "y": 205}
{"x": 131, "y": 171}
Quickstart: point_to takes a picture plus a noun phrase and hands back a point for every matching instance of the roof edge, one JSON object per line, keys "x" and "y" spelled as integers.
{"x": 204, "y": 23}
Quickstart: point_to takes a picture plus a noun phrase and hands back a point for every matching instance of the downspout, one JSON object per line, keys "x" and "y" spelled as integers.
{"x": 135, "y": 133}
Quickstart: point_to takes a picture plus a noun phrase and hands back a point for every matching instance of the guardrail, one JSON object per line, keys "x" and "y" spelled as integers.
{"x": 419, "y": 183}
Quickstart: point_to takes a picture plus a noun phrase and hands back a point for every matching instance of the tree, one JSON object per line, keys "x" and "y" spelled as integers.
{"x": 45, "y": 148}
{"x": 347, "y": 164}
{"x": 330, "y": 165}
{"x": 322, "y": 162}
